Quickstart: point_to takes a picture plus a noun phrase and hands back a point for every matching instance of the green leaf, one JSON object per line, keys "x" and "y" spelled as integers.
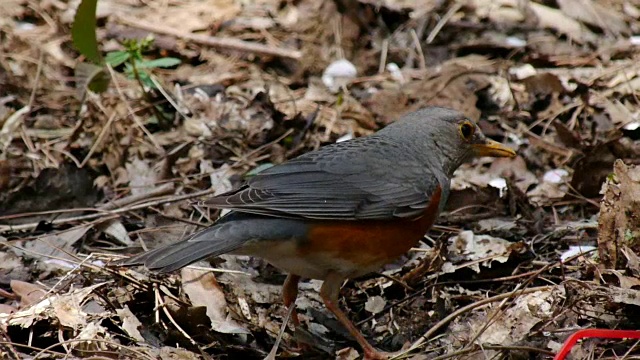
{"x": 92, "y": 77}
{"x": 83, "y": 31}
{"x": 146, "y": 80}
{"x": 117, "y": 58}
{"x": 159, "y": 63}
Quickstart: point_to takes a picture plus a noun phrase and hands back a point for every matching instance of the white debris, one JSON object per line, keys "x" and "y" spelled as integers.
{"x": 555, "y": 176}
{"x": 338, "y": 74}
{"x": 576, "y": 250}
{"x": 500, "y": 184}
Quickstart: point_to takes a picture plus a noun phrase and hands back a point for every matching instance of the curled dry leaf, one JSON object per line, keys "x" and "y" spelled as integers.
{"x": 89, "y": 334}
{"x": 203, "y": 290}
{"x": 130, "y": 323}
{"x": 468, "y": 247}
{"x": 619, "y": 222}
{"x": 116, "y": 230}
{"x": 55, "y": 250}
{"x": 7, "y": 309}
{"x": 28, "y": 293}
{"x": 516, "y": 323}
{"x": 65, "y": 309}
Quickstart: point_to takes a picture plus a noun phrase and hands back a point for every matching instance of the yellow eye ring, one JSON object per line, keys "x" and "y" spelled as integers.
{"x": 466, "y": 130}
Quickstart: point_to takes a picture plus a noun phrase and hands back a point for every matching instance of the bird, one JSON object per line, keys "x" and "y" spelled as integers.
{"x": 341, "y": 211}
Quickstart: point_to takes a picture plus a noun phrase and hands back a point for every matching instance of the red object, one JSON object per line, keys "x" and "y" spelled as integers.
{"x": 594, "y": 333}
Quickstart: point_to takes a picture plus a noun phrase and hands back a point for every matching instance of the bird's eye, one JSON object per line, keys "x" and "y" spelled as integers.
{"x": 466, "y": 130}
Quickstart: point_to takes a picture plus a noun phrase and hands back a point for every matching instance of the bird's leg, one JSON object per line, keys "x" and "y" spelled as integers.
{"x": 329, "y": 294}
{"x": 289, "y": 295}
{"x": 283, "y": 327}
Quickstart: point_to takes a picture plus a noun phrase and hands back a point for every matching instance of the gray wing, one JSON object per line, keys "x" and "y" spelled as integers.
{"x": 366, "y": 178}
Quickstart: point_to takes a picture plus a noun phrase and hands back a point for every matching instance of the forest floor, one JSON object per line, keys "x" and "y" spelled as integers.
{"x": 528, "y": 251}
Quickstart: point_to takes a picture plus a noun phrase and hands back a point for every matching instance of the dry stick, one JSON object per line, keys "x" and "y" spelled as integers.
{"x": 9, "y": 343}
{"x": 416, "y": 41}
{"x": 98, "y": 141}
{"x": 383, "y": 56}
{"x": 160, "y": 190}
{"x": 494, "y": 347}
{"x": 469, "y": 307}
{"x": 245, "y": 157}
{"x": 216, "y": 42}
{"x": 4, "y": 228}
{"x": 182, "y": 111}
{"x": 630, "y": 350}
{"x": 32, "y": 98}
{"x": 157, "y": 191}
{"x": 133, "y": 115}
{"x": 71, "y": 341}
{"x": 433, "y": 276}
{"x": 478, "y": 304}
{"x": 499, "y": 309}
{"x": 443, "y": 21}
{"x": 163, "y": 306}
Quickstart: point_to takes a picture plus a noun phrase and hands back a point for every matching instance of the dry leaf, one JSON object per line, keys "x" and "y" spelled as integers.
{"x": 203, "y": 290}
{"x": 28, "y": 293}
{"x": 618, "y": 224}
{"x": 130, "y": 323}
{"x": 468, "y": 246}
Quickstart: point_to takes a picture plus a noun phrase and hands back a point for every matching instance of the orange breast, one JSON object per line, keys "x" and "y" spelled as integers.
{"x": 369, "y": 243}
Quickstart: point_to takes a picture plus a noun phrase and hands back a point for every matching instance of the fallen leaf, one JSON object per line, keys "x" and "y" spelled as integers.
{"x": 466, "y": 246}
{"x": 203, "y": 290}
{"x": 618, "y": 223}
{"x": 57, "y": 246}
{"x": 28, "y": 293}
{"x": 130, "y": 323}
{"x": 375, "y": 304}
{"x": 116, "y": 230}
{"x": 592, "y": 13}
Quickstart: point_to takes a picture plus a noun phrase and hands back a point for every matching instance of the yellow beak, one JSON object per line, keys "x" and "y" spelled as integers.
{"x": 493, "y": 148}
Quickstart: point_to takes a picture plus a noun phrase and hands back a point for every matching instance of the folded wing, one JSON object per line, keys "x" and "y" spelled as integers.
{"x": 367, "y": 178}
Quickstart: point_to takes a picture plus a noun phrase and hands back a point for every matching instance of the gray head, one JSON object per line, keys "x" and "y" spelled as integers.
{"x": 444, "y": 137}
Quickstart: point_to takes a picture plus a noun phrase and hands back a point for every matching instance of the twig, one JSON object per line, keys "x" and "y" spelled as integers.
{"x": 452, "y": 10}
{"x": 9, "y": 344}
{"x": 383, "y": 56}
{"x": 163, "y": 306}
{"x": 104, "y": 341}
{"x": 32, "y": 98}
{"x": 478, "y": 304}
{"x": 157, "y": 191}
{"x": 133, "y": 115}
{"x": 162, "y": 200}
{"x": 98, "y": 141}
{"x": 416, "y": 41}
{"x": 216, "y": 42}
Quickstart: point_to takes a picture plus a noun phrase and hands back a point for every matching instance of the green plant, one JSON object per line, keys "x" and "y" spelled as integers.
{"x": 135, "y": 65}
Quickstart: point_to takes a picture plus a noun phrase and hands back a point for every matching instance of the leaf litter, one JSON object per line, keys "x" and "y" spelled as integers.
{"x": 528, "y": 250}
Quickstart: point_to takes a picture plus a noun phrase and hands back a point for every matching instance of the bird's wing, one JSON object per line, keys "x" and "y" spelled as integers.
{"x": 366, "y": 178}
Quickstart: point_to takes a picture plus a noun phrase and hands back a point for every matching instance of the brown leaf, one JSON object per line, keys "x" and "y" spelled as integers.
{"x": 568, "y": 137}
{"x": 203, "y": 290}
{"x": 28, "y": 293}
{"x": 7, "y": 309}
{"x": 618, "y": 224}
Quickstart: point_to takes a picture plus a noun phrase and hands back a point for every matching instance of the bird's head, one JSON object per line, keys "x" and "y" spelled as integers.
{"x": 446, "y": 135}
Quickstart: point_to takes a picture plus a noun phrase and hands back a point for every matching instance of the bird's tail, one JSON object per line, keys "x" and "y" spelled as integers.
{"x": 228, "y": 234}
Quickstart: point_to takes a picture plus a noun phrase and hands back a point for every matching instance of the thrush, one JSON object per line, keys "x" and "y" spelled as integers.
{"x": 341, "y": 211}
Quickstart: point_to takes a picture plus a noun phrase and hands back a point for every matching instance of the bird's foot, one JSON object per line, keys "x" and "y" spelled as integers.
{"x": 373, "y": 354}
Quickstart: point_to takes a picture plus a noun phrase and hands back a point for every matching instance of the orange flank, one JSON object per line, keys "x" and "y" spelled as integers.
{"x": 369, "y": 243}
